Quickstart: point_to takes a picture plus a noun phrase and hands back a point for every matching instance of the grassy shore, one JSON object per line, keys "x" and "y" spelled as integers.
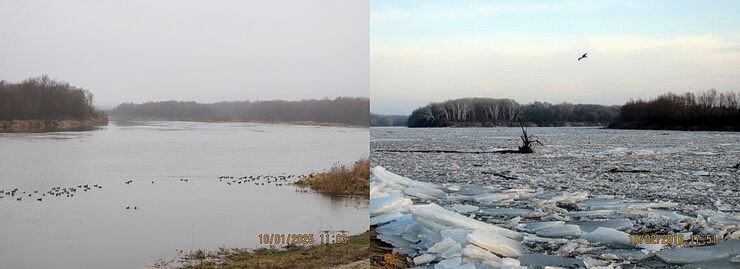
{"x": 341, "y": 180}
{"x": 353, "y": 254}
{"x": 52, "y": 125}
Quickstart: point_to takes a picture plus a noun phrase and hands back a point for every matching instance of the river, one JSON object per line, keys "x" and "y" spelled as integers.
{"x": 93, "y": 228}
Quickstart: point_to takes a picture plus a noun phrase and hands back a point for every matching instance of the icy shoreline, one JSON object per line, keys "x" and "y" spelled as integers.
{"x": 472, "y": 226}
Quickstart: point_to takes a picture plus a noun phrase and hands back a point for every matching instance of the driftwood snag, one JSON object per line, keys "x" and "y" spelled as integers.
{"x": 527, "y": 139}
{"x": 617, "y": 170}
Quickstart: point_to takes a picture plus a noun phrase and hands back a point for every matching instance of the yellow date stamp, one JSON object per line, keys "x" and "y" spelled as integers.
{"x": 672, "y": 239}
{"x": 325, "y": 237}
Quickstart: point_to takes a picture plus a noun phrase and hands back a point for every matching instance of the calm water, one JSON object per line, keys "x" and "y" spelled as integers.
{"x": 94, "y": 230}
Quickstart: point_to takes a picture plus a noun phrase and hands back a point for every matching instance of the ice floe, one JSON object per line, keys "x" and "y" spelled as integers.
{"x": 467, "y": 226}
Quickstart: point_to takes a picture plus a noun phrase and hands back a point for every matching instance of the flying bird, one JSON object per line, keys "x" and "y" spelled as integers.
{"x": 583, "y": 56}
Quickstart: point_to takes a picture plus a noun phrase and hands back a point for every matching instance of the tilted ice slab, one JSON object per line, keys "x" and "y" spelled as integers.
{"x": 445, "y": 217}
{"x": 425, "y": 193}
{"x": 447, "y": 248}
{"x": 380, "y": 219}
{"x": 431, "y": 233}
{"x": 472, "y": 251}
{"x": 398, "y": 182}
{"x": 496, "y": 243}
{"x": 422, "y": 259}
{"x": 561, "y": 230}
{"x": 388, "y": 204}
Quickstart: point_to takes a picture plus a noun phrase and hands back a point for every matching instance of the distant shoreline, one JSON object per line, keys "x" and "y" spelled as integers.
{"x": 658, "y": 127}
{"x": 299, "y": 123}
{"x": 52, "y": 125}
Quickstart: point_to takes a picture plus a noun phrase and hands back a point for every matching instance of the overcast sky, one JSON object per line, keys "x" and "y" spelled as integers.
{"x": 207, "y": 51}
{"x": 423, "y": 51}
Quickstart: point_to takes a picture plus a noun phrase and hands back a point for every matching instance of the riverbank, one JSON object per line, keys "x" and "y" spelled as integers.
{"x": 300, "y": 123}
{"x": 698, "y": 126}
{"x": 54, "y": 125}
{"x": 341, "y": 180}
{"x": 352, "y": 254}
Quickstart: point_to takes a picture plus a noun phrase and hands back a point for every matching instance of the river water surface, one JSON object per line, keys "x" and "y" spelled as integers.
{"x": 93, "y": 229}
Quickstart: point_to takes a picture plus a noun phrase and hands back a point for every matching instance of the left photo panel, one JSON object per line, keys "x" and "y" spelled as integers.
{"x": 184, "y": 134}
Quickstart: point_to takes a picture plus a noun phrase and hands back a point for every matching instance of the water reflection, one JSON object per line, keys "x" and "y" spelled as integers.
{"x": 93, "y": 228}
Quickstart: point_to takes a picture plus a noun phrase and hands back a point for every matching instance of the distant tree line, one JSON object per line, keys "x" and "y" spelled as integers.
{"x": 708, "y": 110}
{"x": 487, "y": 112}
{"x": 388, "y": 120}
{"x": 42, "y": 98}
{"x": 341, "y": 110}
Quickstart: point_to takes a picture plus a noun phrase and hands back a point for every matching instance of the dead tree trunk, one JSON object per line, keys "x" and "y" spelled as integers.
{"x": 527, "y": 139}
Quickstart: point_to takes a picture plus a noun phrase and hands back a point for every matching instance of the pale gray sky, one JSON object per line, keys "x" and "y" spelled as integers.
{"x": 424, "y": 51}
{"x": 207, "y": 51}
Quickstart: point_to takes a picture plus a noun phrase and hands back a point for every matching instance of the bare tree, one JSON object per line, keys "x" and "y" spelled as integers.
{"x": 527, "y": 139}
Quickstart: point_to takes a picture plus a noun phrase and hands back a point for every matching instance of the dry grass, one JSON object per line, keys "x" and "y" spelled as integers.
{"x": 321, "y": 256}
{"x": 342, "y": 180}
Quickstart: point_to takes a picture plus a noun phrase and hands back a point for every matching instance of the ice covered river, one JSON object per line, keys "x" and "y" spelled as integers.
{"x": 589, "y": 197}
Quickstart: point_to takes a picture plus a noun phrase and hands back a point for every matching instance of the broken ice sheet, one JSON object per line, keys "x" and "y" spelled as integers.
{"x": 686, "y": 255}
{"x": 449, "y": 263}
{"x": 475, "y": 252}
{"x": 425, "y": 193}
{"x": 561, "y": 230}
{"x": 459, "y": 235}
{"x": 445, "y": 217}
{"x": 443, "y": 245}
{"x": 397, "y": 227}
{"x": 462, "y": 209}
{"x": 380, "y": 219}
{"x": 495, "y": 243}
{"x": 534, "y": 226}
{"x": 387, "y": 204}
{"x": 507, "y": 212}
{"x": 398, "y": 181}
{"x": 591, "y": 225}
{"x": 422, "y": 259}
{"x": 471, "y": 190}
{"x": 490, "y": 198}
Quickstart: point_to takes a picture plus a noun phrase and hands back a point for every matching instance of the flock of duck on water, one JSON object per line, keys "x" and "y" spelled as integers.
{"x": 260, "y": 180}
{"x": 69, "y": 192}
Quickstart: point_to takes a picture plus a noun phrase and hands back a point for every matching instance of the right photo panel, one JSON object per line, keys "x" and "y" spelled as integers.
{"x": 554, "y": 134}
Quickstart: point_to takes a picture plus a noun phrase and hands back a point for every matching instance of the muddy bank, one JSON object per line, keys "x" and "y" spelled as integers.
{"x": 55, "y": 125}
{"x": 351, "y": 254}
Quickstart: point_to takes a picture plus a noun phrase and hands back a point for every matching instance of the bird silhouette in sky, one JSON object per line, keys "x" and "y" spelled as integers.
{"x": 583, "y": 56}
